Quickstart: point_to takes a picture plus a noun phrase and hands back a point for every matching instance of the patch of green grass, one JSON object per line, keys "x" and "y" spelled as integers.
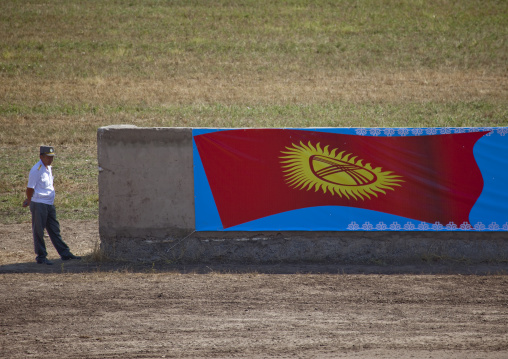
{"x": 86, "y": 118}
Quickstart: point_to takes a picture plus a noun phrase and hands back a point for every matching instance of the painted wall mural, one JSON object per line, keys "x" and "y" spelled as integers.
{"x": 340, "y": 179}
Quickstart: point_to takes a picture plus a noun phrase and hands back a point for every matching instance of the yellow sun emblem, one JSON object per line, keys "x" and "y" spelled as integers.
{"x": 308, "y": 167}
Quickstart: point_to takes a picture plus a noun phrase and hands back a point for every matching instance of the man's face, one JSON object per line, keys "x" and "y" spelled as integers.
{"x": 47, "y": 160}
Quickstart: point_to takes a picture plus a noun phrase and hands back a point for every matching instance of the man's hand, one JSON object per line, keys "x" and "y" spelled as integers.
{"x": 29, "y": 194}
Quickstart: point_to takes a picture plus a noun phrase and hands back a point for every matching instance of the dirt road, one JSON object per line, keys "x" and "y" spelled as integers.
{"x": 86, "y": 309}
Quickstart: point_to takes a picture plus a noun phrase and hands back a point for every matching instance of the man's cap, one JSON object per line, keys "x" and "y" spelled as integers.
{"x": 47, "y": 150}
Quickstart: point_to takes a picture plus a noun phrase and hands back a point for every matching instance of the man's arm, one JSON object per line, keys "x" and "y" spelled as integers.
{"x": 29, "y": 194}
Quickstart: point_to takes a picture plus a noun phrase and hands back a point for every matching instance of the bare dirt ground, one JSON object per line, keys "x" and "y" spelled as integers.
{"x": 87, "y": 309}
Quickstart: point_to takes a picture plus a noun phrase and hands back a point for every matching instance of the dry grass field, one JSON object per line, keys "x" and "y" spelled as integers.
{"x": 68, "y": 67}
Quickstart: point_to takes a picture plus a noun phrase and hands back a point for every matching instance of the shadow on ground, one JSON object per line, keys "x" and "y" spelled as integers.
{"x": 86, "y": 265}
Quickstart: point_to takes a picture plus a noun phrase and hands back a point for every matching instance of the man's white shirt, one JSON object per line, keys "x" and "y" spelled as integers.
{"x": 41, "y": 180}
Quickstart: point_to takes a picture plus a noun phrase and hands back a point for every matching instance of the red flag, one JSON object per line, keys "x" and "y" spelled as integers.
{"x": 254, "y": 173}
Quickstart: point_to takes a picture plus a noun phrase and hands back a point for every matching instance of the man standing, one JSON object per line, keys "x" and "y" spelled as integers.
{"x": 40, "y": 195}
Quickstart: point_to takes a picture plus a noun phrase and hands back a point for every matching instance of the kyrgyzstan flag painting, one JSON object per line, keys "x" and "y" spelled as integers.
{"x": 321, "y": 179}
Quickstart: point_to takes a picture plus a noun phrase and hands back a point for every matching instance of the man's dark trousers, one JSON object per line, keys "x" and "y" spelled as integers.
{"x": 44, "y": 216}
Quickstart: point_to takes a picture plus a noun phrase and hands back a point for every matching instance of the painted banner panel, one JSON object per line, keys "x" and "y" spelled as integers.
{"x": 339, "y": 179}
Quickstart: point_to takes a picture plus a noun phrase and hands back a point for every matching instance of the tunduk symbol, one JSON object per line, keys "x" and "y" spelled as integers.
{"x": 339, "y": 172}
{"x": 307, "y": 167}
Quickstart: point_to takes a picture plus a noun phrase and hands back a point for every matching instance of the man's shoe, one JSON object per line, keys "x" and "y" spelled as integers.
{"x": 44, "y": 261}
{"x": 70, "y": 256}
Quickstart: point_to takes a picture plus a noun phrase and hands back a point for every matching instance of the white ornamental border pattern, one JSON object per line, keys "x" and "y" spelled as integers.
{"x": 424, "y": 226}
{"x": 428, "y": 131}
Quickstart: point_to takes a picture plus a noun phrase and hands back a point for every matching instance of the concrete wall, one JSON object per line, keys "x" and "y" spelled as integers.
{"x": 146, "y": 183}
{"x": 146, "y": 212}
